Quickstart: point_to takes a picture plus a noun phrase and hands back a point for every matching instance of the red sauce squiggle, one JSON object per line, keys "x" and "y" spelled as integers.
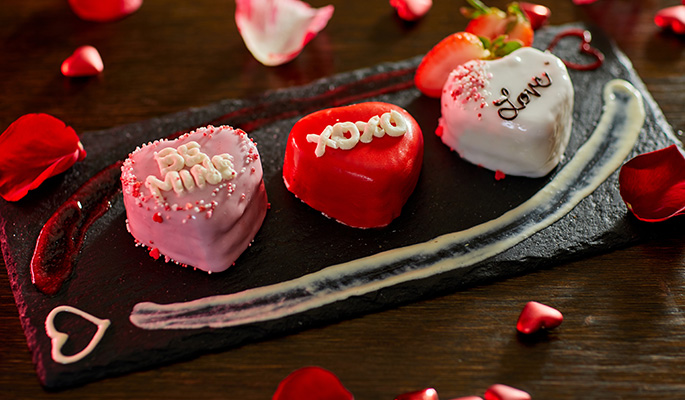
{"x": 62, "y": 236}
{"x": 585, "y": 48}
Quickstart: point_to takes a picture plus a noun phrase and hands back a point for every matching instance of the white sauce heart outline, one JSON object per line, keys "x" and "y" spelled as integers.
{"x": 59, "y": 338}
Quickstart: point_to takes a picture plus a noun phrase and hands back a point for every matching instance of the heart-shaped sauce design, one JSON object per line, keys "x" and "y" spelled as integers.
{"x": 585, "y": 48}
{"x": 59, "y": 338}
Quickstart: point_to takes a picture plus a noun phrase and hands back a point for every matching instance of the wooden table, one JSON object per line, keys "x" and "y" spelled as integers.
{"x": 624, "y": 331}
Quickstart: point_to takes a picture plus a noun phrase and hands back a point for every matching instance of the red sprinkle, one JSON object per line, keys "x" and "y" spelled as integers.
{"x": 154, "y": 253}
{"x": 499, "y": 175}
{"x": 158, "y": 218}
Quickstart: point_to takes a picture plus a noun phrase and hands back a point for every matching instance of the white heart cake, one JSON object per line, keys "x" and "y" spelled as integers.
{"x": 198, "y": 200}
{"x": 512, "y": 115}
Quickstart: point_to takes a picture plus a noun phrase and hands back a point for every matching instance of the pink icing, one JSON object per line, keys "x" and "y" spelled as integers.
{"x": 209, "y": 227}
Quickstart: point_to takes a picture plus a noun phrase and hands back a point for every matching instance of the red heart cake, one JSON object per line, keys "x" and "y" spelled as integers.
{"x": 198, "y": 200}
{"x": 357, "y": 164}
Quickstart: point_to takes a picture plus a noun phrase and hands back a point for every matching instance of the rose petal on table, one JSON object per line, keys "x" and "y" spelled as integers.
{"x": 276, "y": 31}
{"x": 311, "y": 383}
{"x": 411, "y": 10}
{"x": 672, "y": 18}
{"x": 85, "y": 61}
{"x": 425, "y": 394}
{"x": 536, "y": 316}
{"x": 504, "y": 392}
{"x": 537, "y": 14}
{"x": 582, "y": 2}
{"x": 653, "y": 184}
{"x": 104, "y": 10}
{"x": 34, "y": 148}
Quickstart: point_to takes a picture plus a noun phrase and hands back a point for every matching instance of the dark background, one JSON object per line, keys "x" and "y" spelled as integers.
{"x": 624, "y": 333}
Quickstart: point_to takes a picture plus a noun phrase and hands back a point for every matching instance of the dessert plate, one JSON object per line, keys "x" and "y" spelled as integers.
{"x": 303, "y": 269}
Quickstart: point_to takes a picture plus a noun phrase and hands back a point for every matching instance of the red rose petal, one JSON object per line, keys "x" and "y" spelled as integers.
{"x": 85, "y": 61}
{"x": 672, "y": 18}
{"x": 653, "y": 184}
{"x": 536, "y": 316}
{"x": 469, "y": 398}
{"x": 35, "y": 147}
{"x": 311, "y": 383}
{"x": 410, "y": 10}
{"x": 582, "y": 2}
{"x": 537, "y": 14}
{"x": 504, "y": 392}
{"x": 425, "y": 394}
{"x": 276, "y": 31}
{"x": 104, "y": 10}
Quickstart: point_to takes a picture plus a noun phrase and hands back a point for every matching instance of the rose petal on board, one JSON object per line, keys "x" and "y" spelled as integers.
{"x": 34, "y": 148}
{"x": 425, "y": 394}
{"x": 85, "y": 61}
{"x": 104, "y": 10}
{"x": 537, "y": 14}
{"x": 672, "y": 18}
{"x": 411, "y": 10}
{"x": 504, "y": 392}
{"x": 582, "y": 2}
{"x": 311, "y": 383}
{"x": 276, "y": 31}
{"x": 653, "y": 184}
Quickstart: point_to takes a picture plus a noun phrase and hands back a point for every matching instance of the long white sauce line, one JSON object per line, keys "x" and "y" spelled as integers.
{"x": 608, "y": 146}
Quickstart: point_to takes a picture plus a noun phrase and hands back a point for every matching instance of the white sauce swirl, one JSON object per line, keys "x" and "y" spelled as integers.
{"x": 603, "y": 153}
{"x": 59, "y": 338}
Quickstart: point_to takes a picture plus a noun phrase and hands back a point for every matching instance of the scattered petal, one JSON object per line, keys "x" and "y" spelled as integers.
{"x": 582, "y": 2}
{"x": 425, "y": 394}
{"x": 537, "y": 14}
{"x": 653, "y": 184}
{"x": 410, "y": 10}
{"x": 536, "y": 316}
{"x": 35, "y": 147}
{"x": 104, "y": 10}
{"x": 311, "y": 383}
{"x": 276, "y": 31}
{"x": 469, "y": 398}
{"x": 85, "y": 61}
{"x": 672, "y": 18}
{"x": 504, "y": 392}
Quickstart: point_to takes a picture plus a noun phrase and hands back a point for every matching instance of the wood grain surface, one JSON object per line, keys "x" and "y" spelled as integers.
{"x": 624, "y": 331}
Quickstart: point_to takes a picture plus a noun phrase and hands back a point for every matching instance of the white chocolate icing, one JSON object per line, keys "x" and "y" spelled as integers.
{"x": 59, "y": 338}
{"x": 333, "y": 136}
{"x": 185, "y": 167}
{"x": 603, "y": 153}
{"x": 512, "y": 115}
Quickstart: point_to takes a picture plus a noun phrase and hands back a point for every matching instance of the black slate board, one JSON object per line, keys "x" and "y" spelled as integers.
{"x": 112, "y": 275}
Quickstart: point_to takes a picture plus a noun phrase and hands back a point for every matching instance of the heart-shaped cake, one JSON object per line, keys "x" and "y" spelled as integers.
{"x": 198, "y": 200}
{"x": 357, "y": 164}
{"x": 512, "y": 115}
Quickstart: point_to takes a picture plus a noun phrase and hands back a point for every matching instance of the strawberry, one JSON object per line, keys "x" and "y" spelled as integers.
{"x": 491, "y": 22}
{"x": 451, "y": 52}
{"x": 454, "y": 50}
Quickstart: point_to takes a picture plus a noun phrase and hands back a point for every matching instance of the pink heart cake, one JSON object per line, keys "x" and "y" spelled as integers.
{"x": 512, "y": 115}
{"x": 198, "y": 200}
{"x": 357, "y": 164}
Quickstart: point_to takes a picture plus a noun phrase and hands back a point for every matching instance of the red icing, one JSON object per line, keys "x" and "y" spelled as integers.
{"x": 584, "y": 48}
{"x": 62, "y": 235}
{"x": 363, "y": 187}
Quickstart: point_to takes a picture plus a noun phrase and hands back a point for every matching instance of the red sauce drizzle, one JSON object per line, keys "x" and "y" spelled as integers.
{"x": 585, "y": 48}
{"x": 62, "y": 235}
